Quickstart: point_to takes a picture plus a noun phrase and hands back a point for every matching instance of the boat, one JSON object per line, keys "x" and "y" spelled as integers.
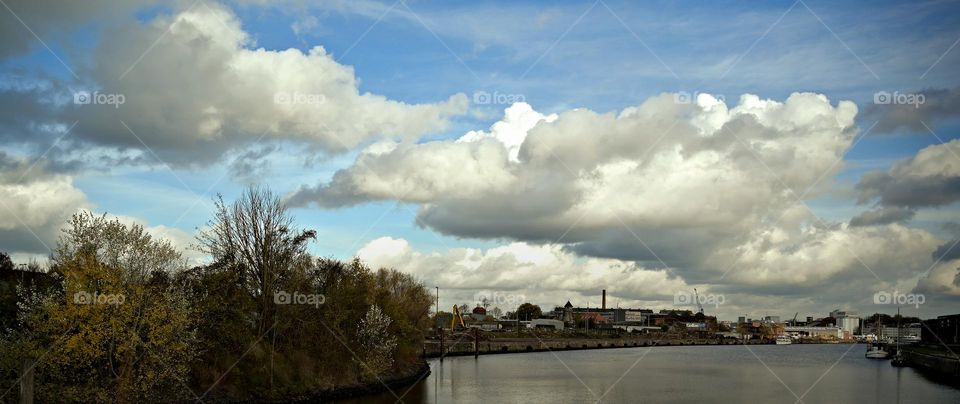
{"x": 876, "y": 351}
{"x": 898, "y": 360}
{"x": 784, "y": 340}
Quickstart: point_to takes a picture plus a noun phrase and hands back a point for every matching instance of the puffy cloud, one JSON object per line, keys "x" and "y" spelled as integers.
{"x": 943, "y": 281}
{"x": 708, "y": 194}
{"x": 816, "y": 272}
{"x": 35, "y": 202}
{"x": 521, "y": 272}
{"x": 472, "y": 166}
{"x": 928, "y": 179}
{"x": 815, "y": 255}
{"x": 194, "y": 86}
{"x": 677, "y": 176}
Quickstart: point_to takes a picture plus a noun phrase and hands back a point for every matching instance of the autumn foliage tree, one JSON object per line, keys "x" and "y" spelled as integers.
{"x": 114, "y": 328}
{"x": 126, "y": 320}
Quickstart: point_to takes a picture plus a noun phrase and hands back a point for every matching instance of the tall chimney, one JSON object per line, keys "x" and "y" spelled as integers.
{"x": 604, "y": 304}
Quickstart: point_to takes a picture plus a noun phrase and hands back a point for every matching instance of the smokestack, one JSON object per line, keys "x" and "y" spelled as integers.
{"x": 604, "y": 304}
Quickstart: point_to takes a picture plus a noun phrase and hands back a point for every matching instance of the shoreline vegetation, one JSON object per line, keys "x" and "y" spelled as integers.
{"x": 117, "y": 315}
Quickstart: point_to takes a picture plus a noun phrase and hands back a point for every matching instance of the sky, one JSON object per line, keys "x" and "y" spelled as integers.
{"x": 781, "y": 157}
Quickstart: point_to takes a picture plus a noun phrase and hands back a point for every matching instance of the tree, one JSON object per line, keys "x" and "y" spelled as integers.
{"x": 115, "y": 328}
{"x": 6, "y": 264}
{"x": 528, "y": 311}
{"x": 129, "y": 249}
{"x": 376, "y": 342}
{"x": 496, "y": 312}
{"x": 122, "y": 319}
{"x": 254, "y": 237}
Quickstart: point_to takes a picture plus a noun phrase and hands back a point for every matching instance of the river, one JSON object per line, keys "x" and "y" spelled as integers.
{"x": 752, "y": 374}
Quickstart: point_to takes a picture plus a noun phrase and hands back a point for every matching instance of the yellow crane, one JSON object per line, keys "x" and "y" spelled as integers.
{"x": 456, "y": 317}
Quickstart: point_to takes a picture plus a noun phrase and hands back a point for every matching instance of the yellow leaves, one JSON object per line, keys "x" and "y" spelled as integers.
{"x": 124, "y": 340}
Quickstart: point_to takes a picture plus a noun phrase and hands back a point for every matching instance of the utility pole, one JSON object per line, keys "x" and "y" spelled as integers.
{"x": 439, "y": 324}
{"x": 518, "y": 321}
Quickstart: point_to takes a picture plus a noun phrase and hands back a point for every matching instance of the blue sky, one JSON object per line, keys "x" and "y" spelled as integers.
{"x": 578, "y": 54}
{"x": 601, "y": 56}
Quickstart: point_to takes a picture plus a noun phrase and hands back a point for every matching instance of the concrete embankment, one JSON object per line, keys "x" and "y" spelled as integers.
{"x": 940, "y": 365}
{"x": 466, "y": 346}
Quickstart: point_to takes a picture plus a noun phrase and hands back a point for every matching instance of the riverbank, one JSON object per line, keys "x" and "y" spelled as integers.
{"x": 939, "y": 363}
{"x": 384, "y": 386}
{"x": 432, "y": 349}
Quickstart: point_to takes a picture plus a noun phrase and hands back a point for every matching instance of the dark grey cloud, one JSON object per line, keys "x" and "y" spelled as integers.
{"x": 952, "y": 228}
{"x": 912, "y": 192}
{"x": 252, "y": 166}
{"x": 948, "y": 251}
{"x": 53, "y": 20}
{"x": 23, "y": 115}
{"x": 938, "y": 104}
{"x": 883, "y": 216}
{"x": 931, "y": 178}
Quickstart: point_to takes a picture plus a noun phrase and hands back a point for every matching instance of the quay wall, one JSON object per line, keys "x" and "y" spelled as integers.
{"x": 466, "y": 347}
{"x": 940, "y": 365}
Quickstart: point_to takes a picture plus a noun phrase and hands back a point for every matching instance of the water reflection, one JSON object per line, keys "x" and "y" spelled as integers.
{"x": 811, "y": 373}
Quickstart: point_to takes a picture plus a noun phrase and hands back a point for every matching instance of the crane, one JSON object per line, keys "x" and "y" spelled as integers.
{"x": 794, "y": 322}
{"x": 456, "y": 316}
{"x": 697, "y": 297}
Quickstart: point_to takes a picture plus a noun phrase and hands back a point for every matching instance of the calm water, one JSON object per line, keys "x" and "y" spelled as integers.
{"x": 760, "y": 374}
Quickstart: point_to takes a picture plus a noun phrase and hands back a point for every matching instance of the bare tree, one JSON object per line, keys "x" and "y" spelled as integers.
{"x": 255, "y": 237}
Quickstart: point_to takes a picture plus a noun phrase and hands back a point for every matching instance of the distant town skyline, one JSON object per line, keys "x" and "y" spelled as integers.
{"x": 796, "y": 156}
